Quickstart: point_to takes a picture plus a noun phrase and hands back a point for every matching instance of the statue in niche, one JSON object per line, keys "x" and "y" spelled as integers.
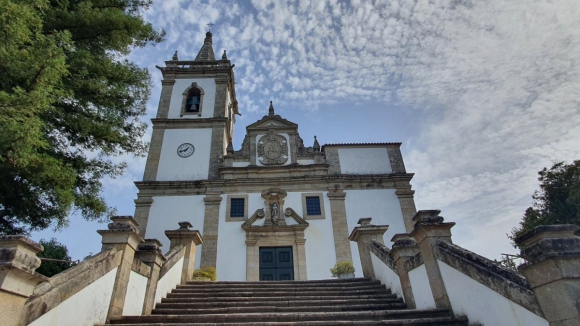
{"x": 275, "y": 213}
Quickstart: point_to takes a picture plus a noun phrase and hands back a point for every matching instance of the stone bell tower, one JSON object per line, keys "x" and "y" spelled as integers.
{"x": 194, "y": 124}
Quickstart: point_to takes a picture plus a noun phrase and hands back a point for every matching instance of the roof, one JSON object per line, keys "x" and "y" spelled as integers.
{"x": 206, "y": 51}
{"x": 362, "y": 144}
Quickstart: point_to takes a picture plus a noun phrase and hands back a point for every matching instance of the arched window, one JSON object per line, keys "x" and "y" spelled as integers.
{"x": 192, "y": 100}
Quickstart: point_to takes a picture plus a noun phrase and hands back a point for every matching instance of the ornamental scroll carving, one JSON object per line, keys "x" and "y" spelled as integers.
{"x": 273, "y": 149}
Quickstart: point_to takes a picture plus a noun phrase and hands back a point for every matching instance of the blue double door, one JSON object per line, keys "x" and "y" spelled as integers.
{"x": 276, "y": 264}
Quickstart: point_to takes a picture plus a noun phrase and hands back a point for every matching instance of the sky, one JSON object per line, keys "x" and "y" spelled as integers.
{"x": 482, "y": 94}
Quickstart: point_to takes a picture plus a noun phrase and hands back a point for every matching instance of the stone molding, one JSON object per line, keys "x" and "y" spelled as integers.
{"x": 509, "y": 284}
{"x": 171, "y": 258}
{"x": 184, "y": 100}
{"x": 140, "y": 268}
{"x": 383, "y": 253}
{"x": 228, "y": 207}
{"x": 320, "y": 196}
{"x": 64, "y": 285}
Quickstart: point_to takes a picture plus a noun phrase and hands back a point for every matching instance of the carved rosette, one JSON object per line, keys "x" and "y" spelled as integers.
{"x": 273, "y": 149}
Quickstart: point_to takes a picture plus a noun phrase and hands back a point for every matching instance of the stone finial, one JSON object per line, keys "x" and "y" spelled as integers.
{"x": 123, "y": 223}
{"x": 316, "y": 145}
{"x": 365, "y": 221}
{"x": 428, "y": 224}
{"x": 206, "y": 52}
{"x": 230, "y": 149}
{"x": 150, "y": 245}
{"x": 184, "y": 225}
{"x": 224, "y": 56}
{"x": 17, "y": 251}
{"x": 123, "y": 230}
{"x": 403, "y": 240}
{"x": 271, "y": 109}
{"x": 175, "y": 58}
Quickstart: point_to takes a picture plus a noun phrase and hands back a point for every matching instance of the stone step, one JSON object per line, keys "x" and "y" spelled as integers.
{"x": 189, "y": 289}
{"x": 379, "y": 315}
{"x": 195, "y": 304}
{"x": 438, "y": 321}
{"x": 275, "y": 293}
{"x": 189, "y": 299}
{"x": 271, "y": 309}
{"x": 262, "y": 284}
{"x": 344, "y": 281}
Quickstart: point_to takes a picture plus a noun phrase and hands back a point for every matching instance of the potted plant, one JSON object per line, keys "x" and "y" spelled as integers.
{"x": 206, "y": 273}
{"x": 343, "y": 269}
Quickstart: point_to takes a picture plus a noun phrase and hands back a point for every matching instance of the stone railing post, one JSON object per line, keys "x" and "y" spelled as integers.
{"x": 149, "y": 252}
{"x": 363, "y": 235}
{"x": 123, "y": 235}
{"x": 18, "y": 262}
{"x": 404, "y": 249}
{"x": 429, "y": 228}
{"x": 190, "y": 239}
{"x": 553, "y": 271}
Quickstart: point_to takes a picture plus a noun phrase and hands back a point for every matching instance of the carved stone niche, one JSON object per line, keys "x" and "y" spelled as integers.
{"x": 274, "y": 206}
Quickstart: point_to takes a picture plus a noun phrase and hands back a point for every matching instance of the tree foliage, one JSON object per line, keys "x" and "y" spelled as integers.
{"x": 557, "y": 201}
{"x": 68, "y": 101}
{"x": 53, "y": 250}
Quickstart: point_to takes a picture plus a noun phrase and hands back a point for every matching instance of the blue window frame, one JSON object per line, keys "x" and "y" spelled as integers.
{"x": 237, "y": 207}
{"x": 313, "y": 205}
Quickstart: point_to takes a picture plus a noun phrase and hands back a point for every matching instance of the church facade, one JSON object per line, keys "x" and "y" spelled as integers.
{"x": 274, "y": 209}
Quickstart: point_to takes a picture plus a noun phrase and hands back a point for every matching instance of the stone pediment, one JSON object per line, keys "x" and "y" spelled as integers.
{"x": 259, "y": 214}
{"x": 272, "y": 122}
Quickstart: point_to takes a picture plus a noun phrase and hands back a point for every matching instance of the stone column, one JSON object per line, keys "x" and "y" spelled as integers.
{"x": 408, "y": 209}
{"x": 149, "y": 252}
{"x": 404, "y": 249}
{"x": 301, "y": 261}
{"x": 154, "y": 155}
{"x": 252, "y": 260}
{"x": 429, "y": 228}
{"x": 210, "y": 229}
{"x": 190, "y": 239}
{"x": 339, "y": 225}
{"x": 18, "y": 262}
{"x": 142, "y": 208}
{"x": 122, "y": 235}
{"x": 553, "y": 270}
{"x": 363, "y": 235}
{"x": 165, "y": 98}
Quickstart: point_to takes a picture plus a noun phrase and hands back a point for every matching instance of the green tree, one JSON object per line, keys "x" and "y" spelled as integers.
{"x": 53, "y": 250}
{"x": 68, "y": 102}
{"x": 557, "y": 201}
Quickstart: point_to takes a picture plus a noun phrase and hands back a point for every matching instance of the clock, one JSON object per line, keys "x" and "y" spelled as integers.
{"x": 185, "y": 150}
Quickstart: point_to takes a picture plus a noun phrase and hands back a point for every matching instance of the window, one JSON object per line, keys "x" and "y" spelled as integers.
{"x": 313, "y": 206}
{"x": 237, "y": 208}
{"x": 192, "y": 100}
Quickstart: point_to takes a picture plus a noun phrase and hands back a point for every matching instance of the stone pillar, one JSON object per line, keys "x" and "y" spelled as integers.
{"x": 404, "y": 249}
{"x": 154, "y": 155}
{"x": 18, "y": 262}
{"x": 363, "y": 235}
{"x": 429, "y": 228}
{"x": 165, "y": 98}
{"x": 301, "y": 259}
{"x": 149, "y": 252}
{"x": 122, "y": 235}
{"x": 252, "y": 260}
{"x": 553, "y": 270}
{"x": 142, "y": 208}
{"x": 210, "y": 229}
{"x": 408, "y": 209}
{"x": 190, "y": 239}
{"x": 339, "y": 225}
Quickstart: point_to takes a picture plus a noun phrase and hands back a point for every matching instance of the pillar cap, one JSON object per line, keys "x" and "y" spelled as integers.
{"x": 369, "y": 229}
{"x": 550, "y": 241}
{"x": 184, "y": 233}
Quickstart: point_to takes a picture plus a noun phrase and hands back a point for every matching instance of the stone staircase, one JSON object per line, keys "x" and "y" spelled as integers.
{"x": 327, "y": 302}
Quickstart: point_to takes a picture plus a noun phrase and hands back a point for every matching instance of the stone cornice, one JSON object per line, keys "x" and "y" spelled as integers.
{"x": 183, "y": 123}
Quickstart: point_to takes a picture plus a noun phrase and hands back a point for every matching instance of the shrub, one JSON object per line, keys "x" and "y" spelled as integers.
{"x": 343, "y": 267}
{"x": 205, "y": 273}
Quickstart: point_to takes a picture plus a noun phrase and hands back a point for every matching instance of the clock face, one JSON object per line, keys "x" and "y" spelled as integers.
{"x": 185, "y": 150}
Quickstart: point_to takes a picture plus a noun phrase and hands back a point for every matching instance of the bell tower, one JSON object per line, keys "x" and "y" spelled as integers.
{"x": 194, "y": 124}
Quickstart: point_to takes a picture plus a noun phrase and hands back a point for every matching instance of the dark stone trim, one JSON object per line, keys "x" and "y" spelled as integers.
{"x": 173, "y": 256}
{"x": 140, "y": 268}
{"x": 383, "y": 253}
{"x": 509, "y": 284}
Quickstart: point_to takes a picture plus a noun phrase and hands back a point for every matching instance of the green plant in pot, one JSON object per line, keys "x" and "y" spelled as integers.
{"x": 206, "y": 273}
{"x": 343, "y": 269}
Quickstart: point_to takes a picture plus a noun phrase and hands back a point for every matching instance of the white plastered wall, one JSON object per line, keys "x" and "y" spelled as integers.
{"x": 287, "y": 144}
{"x": 208, "y": 86}
{"x": 384, "y": 274}
{"x": 481, "y": 304}
{"x": 167, "y": 211}
{"x": 380, "y": 204}
{"x": 135, "y": 294}
{"x": 195, "y": 167}
{"x": 364, "y": 160}
{"x": 231, "y": 256}
{"x": 169, "y": 281}
{"x": 89, "y": 306}
{"x": 421, "y": 288}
